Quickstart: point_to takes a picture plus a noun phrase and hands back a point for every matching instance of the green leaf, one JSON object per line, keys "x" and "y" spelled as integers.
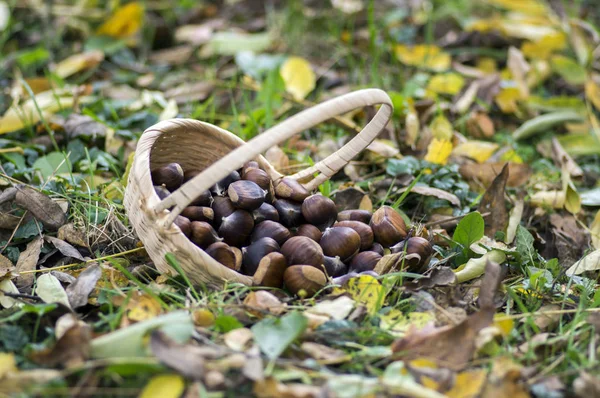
{"x": 275, "y": 335}
{"x": 49, "y": 289}
{"x": 52, "y": 163}
{"x": 469, "y": 230}
{"x": 231, "y": 43}
{"x": 406, "y": 165}
{"x": 568, "y": 69}
{"x": 580, "y": 144}
{"x": 227, "y": 323}
{"x": 543, "y": 123}
{"x": 17, "y": 159}
{"x": 524, "y": 242}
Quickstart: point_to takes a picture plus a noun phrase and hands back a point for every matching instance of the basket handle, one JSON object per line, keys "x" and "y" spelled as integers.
{"x": 284, "y": 130}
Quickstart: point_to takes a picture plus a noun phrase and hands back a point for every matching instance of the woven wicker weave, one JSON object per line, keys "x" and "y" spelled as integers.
{"x": 217, "y": 152}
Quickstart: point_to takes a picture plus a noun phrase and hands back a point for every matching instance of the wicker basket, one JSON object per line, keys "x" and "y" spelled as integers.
{"x": 198, "y": 145}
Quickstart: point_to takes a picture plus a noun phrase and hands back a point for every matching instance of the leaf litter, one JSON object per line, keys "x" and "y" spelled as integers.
{"x": 491, "y": 154}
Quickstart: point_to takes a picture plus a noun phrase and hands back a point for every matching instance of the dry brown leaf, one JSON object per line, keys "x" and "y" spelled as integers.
{"x": 73, "y": 235}
{"x": 350, "y": 198}
{"x": 6, "y": 266}
{"x": 184, "y": 358}
{"x": 187, "y": 92}
{"x": 172, "y": 56}
{"x": 563, "y": 160}
{"x": 65, "y": 248}
{"x": 546, "y": 317}
{"x": 441, "y": 276}
{"x": 262, "y": 302}
{"x": 587, "y": 385}
{"x": 79, "y": 291}
{"x": 278, "y": 158}
{"x": 325, "y": 354}
{"x": 44, "y": 209}
{"x": 435, "y": 192}
{"x": 27, "y": 261}
{"x": 453, "y": 346}
{"x": 480, "y": 125}
{"x": 239, "y": 339}
{"x": 505, "y": 381}
{"x": 78, "y": 125}
{"x": 486, "y": 172}
{"x": 71, "y": 349}
{"x": 271, "y": 388}
{"x": 8, "y": 221}
{"x": 493, "y": 202}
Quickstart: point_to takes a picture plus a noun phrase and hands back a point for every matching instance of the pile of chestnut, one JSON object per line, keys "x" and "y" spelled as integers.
{"x": 280, "y": 234}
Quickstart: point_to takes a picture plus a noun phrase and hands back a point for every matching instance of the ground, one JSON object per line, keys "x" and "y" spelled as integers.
{"x": 491, "y": 153}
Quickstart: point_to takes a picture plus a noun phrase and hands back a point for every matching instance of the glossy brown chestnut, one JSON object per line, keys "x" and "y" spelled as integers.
{"x": 204, "y": 199}
{"x": 270, "y": 271}
{"x": 364, "y": 231}
{"x": 343, "y": 242}
{"x": 239, "y": 256}
{"x": 288, "y": 188}
{"x": 334, "y": 266}
{"x": 271, "y": 229}
{"x": 310, "y": 231}
{"x": 364, "y": 261}
{"x": 377, "y": 248}
{"x": 265, "y": 212}
{"x": 290, "y": 212}
{"x": 259, "y": 177}
{"x": 236, "y": 228}
{"x": 304, "y": 280}
{"x": 415, "y": 245}
{"x": 223, "y": 253}
{"x": 302, "y": 250}
{"x": 246, "y": 195}
{"x": 184, "y": 225}
{"x": 255, "y": 252}
{"x": 199, "y": 213}
{"x": 355, "y": 215}
{"x": 220, "y": 188}
{"x": 170, "y": 175}
{"x": 222, "y": 207}
{"x": 388, "y": 226}
{"x": 319, "y": 211}
{"x": 203, "y": 234}
{"x": 249, "y": 166}
{"x": 189, "y": 174}
{"x": 161, "y": 191}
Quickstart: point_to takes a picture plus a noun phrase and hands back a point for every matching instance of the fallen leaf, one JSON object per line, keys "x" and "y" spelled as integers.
{"x": 493, "y": 202}
{"x": 592, "y": 93}
{"x": 350, "y": 198}
{"x": 142, "y": 307}
{"x": 364, "y": 289}
{"x": 438, "y": 151}
{"x": 44, "y": 209}
{"x": 400, "y": 323}
{"x": 452, "y": 346}
{"x": 475, "y": 267}
{"x": 546, "y": 317}
{"x": 423, "y": 56}
{"x": 78, "y": 125}
{"x": 6, "y": 266}
{"x": 78, "y": 62}
{"x": 447, "y": 83}
{"x": 186, "y": 93}
{"x": 543, "y": 48}
{"x": 261, "y": 302}
{"x": 563, "y": 159}
{"x": 49, "y": 289}
{"x": 73, "y": 235}
{"x": 125, "y": 21}
{"x": 544, "y": 122}
{"x": 273, "y": 336}
{"x": 586, "y": 385}
{"x": 239, "y": 339}
{"x": 271, "y": 388}
{"x": 435, "y": 192}
{"x": 504, "y": 381}
{"x": 7, "y": 286}
{"x": 324, "y": 354}
{"x": 568, "y": 69}
{"x": 338, "y": 308}
{"x": 519, "y": 68}
{"x": 514, "y": 221}
{"x": 441, "y": 128}
{"x": 590, "y": 262}
{"x": 186, "y": 359}
{"x": 164, "y": 386}
{"x": 79, "y": 291}
{"x": 277, "y": 158}
{"x": 71, "y": 349}
{"x": 468, "y": 384}
{"x": 65, "y": 248}
{"x": 486, "y": 173}
{"x": 27, "y": 261}
{"x": 440, "y": 276}
{"x": 507, "y": 99}
{"x": 480, "y": 125}
{"x": 298, "y": 77}
{"x": 231, "y": 43}
{"x": 476, "y": 150}
{"x": 7, "y": 363}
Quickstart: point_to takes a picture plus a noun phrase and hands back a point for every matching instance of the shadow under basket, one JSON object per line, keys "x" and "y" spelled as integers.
{"x": 217, "y": 152}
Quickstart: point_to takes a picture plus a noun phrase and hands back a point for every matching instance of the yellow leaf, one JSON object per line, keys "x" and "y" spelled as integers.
{"x": 78, "y": 62}
{"x": 424, "y": 56}
{"x": 366, "y": 290}
{"x": 543, "y": 48}
{"x": 298, "y": 76}
{"x": 592, "y": 93}
{"x": 125, "y": 22}
{"x": 507, "y": 99}
{"x": 511, "y": 156}
{"x": 142, "y": 307}
{"x": 505, "y": 325}
{"x": 397, "y": 321}
{"x": 438, "y": 151}
{"x": 412, "y": 126}
{"x": 164, "y": 386}
{"x": 486, "y": 64}
{"x": 7, "y": 363}
{"x": 568, "y": 69}
{"x": 595, "y": 231}
{"x": 468, "y": 384}
{"x": 441, "y": 128}
{"x": 447, "y": 83}
{"x": 478, "y": 150}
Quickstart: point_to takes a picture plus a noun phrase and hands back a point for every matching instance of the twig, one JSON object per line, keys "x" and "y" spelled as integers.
{"x": 21, "y": 295}
{"x": 429, "y": 224}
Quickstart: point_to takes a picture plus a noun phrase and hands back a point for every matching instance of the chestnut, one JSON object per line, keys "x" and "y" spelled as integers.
{"x": 265, "y": 212}
{"x": 252, "y": 164}
{"x": 190, "y": 173}
{"x": 388, "y": 226}
{"x": 236, "y": 228}
{"x": 239, "y": 256}
{"x": 161, "y": 191}
{"x": 255, "y": 252}
{"x": 377, "y": 248}
{"x": 290, "y": 212}
{"x": 223, "y": 253}
{"x": 259, "y": 177}
{"x": 204, "y": 199}
{"x": 246, "y": 195}
{"x": 309, "y": 231}
{"x": 288, "y": 188}
{"x": 364, "y": 231}
{"x": 184, "y": 225}
{"x": 271, "y": 229}
{"x": 302, "y": 250}
{"x": 364, "y": 261}
{"x": 415, "y": 245}
{"x": 220, "y": 188}
{"x": 304, "y": 280}
{"x": 319, "y": 211}
{"x": 203, "y": 234}
{"x": 334, "y": 266}
{"x": 222, "y": 207}
{"x": 355, "y": 215}
{"x": 270, "y": 271}
{"x": 170, "y": 175}
{"x": 343, "y": 242}
{"x": 199, "y": 213}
